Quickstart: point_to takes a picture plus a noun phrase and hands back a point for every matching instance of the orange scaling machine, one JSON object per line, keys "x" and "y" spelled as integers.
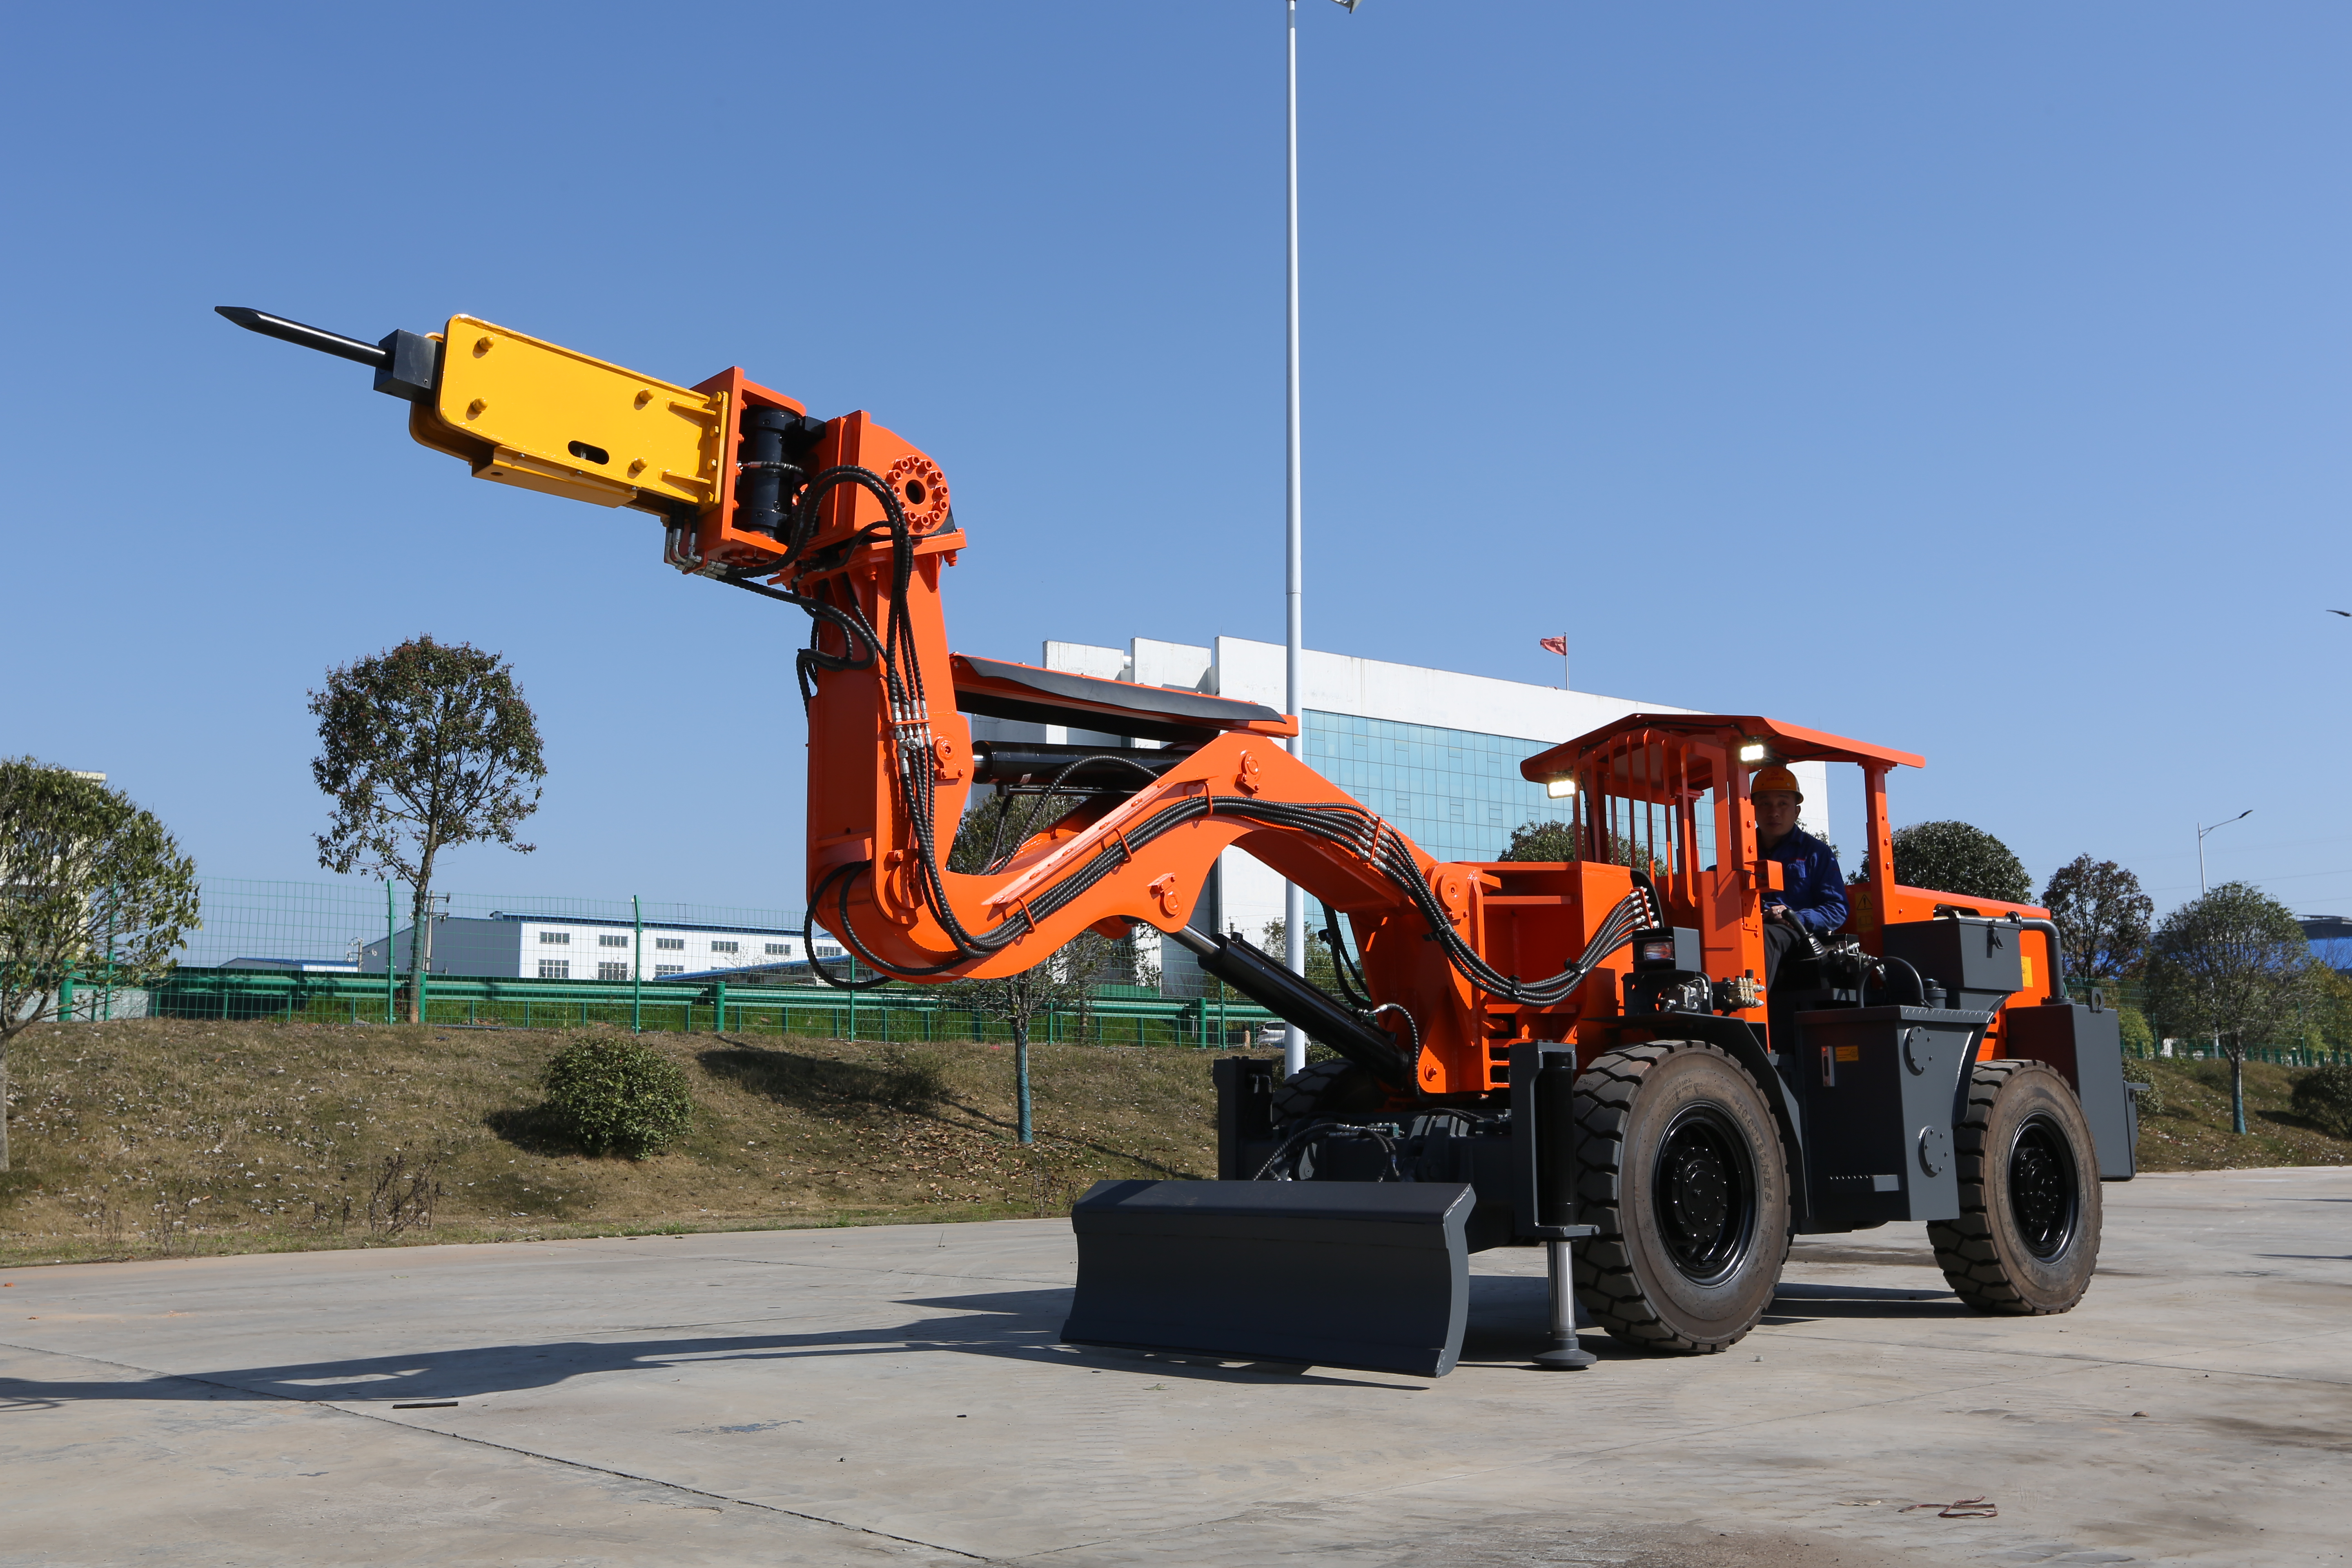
{"x": 1580, "y": 1054}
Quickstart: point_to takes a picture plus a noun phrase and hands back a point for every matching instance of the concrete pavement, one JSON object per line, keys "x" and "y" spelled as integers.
{"x": 897, "y": 1395}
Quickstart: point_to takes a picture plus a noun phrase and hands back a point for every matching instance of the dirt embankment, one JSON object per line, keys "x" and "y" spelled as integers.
{"x": 162, "y": 1136}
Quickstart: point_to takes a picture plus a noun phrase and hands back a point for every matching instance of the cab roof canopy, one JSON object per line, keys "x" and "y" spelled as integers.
{"x": 1787, "y": 743}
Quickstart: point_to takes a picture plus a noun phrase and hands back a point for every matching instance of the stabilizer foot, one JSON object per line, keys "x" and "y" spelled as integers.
{"x": 1565, "y": 1354}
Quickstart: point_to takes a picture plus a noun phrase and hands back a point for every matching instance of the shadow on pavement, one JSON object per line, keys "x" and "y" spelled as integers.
{"x": 1795, "y": 1302}
{"x": 1507, "y": 1321}
{"x": 1022, "y": 1325}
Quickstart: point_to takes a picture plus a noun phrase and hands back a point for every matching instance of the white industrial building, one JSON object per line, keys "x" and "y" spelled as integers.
{"x": 1435, "y": 751}
{"x": 569, "y": 947}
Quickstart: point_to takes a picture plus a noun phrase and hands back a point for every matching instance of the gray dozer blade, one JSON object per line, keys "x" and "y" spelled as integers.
{"x": 1369, "y": 1275}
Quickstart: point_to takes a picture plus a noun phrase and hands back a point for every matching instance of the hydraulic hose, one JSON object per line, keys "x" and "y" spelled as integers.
{"x": 1344, "y": 824}
{"x": 1918, "y": 984}
{"x": 2057, "y": 957}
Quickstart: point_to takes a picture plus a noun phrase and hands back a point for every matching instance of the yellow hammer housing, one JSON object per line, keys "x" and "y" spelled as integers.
{"x": 540, "y": 417}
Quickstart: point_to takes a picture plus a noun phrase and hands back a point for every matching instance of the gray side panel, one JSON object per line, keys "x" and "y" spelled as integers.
{"x": 2088, "y": 1047}
{"x": 1880, "y": 1086}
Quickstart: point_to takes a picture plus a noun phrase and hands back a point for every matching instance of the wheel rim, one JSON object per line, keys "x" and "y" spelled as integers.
{"x": 2044, "y": 1197}
{"x": 1704, "y": 1190}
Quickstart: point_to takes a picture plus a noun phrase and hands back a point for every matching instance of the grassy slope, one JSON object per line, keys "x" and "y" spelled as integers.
{"x": 155, "y": 1136}
{"x": 161, "y": 1135}
{"x": 2192, "y": 1131}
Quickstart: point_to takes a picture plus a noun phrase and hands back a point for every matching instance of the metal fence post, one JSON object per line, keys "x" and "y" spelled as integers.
{"x": 106, "y": 1007}
{"x": 719, "y": 1027}
{"x": 637, "y": 969}
{"x": 390, "y": 984}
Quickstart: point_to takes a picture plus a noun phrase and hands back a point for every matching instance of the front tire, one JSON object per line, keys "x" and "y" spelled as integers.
{"x": 1681, "y": 1167}
{"x": 2028, "y": 1236}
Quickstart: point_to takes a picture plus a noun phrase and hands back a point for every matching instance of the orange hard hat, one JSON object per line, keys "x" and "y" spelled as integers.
{"x": 1774, "y": 777}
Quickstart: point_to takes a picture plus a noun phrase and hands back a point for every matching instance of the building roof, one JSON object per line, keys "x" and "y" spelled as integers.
{"x": 649, "y": 925}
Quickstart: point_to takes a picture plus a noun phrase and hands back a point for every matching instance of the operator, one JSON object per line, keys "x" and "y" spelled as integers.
{"x": 1812, "y": 902}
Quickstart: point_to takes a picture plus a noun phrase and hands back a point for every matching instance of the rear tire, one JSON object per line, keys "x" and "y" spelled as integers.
{"x": 1336, "y": 1087}
{"x": 1680, "y": 1165}
{"x": 2028, "y": 1236}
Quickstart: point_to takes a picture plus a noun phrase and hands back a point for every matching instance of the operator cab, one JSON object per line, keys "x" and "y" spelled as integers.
{"x": 1672, "y": 794}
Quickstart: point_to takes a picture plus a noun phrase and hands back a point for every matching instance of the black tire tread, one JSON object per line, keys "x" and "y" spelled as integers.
{"x": 1605, "y": 1281}
{"x": 1308, "y": 1092}
{"x": 1965, "y": 1247}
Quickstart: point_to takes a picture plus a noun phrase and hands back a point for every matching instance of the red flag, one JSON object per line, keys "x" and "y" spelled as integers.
{"x": 1553, "y": 644}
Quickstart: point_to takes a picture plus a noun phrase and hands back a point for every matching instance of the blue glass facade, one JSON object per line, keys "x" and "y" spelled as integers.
{"x": 1457, "y": 793}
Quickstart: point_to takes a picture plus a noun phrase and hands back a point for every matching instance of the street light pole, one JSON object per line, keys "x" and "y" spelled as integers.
{"x": 2202, "y": 832}
{"x": 1294, "y": 897}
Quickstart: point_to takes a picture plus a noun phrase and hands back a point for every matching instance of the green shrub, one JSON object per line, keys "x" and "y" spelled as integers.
{"x": 1955, "y": 857}
{"x": 2139, "y": 1040}
{"x": 2323, "y": 1097}
{"x": 612, "y": 1094}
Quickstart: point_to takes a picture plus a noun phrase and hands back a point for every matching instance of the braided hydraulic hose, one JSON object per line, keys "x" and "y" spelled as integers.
{"x": 1347, "y": 826}
{"x": 999, "y": 856}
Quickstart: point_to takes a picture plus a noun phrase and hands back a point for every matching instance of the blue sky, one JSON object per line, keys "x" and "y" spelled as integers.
{"x": 1966, "y": 379}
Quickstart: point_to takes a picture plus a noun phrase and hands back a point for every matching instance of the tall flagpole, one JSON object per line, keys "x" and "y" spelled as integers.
{"x": 1294, "y": 897}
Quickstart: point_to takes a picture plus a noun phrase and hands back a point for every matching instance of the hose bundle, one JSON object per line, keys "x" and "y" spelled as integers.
{"x": 1344, "y": 824}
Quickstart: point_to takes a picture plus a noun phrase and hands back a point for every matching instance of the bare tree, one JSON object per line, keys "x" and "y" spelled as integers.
{"x": 91, "y": 886}
{"x": 995, "y": 825}
{"x": 2102, "y": 917}
{"x": 1322, "y": 969}
{"x": 2233, "y": 965}
{"x": 1017, "y": 1000}
{"x": 1090, "y": 962}
{"x": 424, "y": 747}
{"x": 994, "y": 828}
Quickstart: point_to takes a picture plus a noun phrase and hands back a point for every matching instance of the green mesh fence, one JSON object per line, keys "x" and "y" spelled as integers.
{"x": 2314, "y": 1050}
{"x": 314, "y": 951}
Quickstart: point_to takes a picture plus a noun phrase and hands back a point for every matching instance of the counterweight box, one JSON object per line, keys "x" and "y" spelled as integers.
{"x": 1879, "y": 1087}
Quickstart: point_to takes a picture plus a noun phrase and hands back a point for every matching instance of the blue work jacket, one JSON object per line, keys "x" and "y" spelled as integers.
{"x": 1816, "y": 891}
